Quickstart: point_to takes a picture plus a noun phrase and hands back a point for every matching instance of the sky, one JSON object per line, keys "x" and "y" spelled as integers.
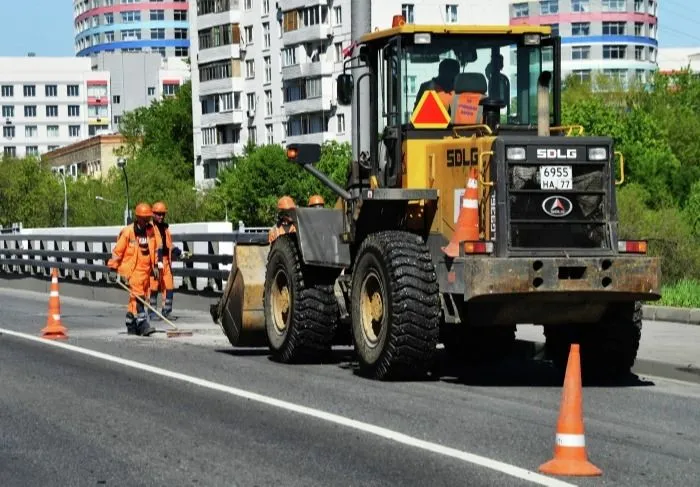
{"x": 45, "y": 27}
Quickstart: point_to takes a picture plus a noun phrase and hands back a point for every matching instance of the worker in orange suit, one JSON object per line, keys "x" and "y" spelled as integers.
{"x": 164, "y": 285}
{"x": 134, "y": 262}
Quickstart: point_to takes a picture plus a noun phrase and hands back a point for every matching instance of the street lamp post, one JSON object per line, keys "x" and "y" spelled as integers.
{"x": 65, "y": 200}
{"x": 121, "y": 163}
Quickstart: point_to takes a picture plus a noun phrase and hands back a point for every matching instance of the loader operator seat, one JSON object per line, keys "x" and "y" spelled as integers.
{"x": 470, "y": 89}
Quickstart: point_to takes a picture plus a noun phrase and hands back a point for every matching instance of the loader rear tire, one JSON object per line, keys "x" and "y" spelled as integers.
{"x": 395, "y": 306}
{"x": 608, "y": 348}
{"x": 301, "y": 311}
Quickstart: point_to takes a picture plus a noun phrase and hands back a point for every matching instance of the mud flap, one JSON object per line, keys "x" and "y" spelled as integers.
{"x": 240, "y": 310}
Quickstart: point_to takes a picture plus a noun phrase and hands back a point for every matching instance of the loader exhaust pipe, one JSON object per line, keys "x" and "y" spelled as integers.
{"x": 543, "y": 103}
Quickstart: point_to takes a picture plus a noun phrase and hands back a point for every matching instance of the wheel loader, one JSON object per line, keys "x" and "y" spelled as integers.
{"x": 468, "y": 209}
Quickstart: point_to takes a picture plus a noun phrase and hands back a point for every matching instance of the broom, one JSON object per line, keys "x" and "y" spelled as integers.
{"x": 175, "y": 332}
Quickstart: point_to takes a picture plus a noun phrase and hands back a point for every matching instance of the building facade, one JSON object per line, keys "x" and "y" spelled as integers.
{"x": 93, "y": 157}
{"x": 159, "y": 26}
{"x": 50, "y": 102}
{"x": 615, "y": 37}
{"x": 139, "y": 78}
{"x": 264, "y": 71}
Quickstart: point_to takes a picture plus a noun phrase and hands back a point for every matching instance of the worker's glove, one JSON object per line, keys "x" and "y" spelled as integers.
{"x": 160, "y": 266}
{"x": 185, "y": 255}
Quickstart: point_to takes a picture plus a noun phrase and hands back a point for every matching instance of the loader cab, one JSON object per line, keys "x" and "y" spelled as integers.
{"x": 482, "y": 75}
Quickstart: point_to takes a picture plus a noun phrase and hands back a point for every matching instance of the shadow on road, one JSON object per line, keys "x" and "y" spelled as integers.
{"x": 519, "y": 369}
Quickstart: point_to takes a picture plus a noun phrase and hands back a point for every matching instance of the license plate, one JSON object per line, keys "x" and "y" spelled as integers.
{"x": 556, "y": 177}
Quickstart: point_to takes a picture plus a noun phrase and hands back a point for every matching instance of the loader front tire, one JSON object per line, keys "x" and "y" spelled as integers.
{"x": 395, "y": 306}
{"x": 301, "y": 311}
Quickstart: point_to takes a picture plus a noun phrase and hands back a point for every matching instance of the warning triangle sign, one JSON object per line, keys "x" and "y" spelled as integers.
{"x": 430, "y": 113}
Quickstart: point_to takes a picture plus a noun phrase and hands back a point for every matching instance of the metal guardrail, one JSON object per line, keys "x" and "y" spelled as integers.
{"x": 83, "y": 258}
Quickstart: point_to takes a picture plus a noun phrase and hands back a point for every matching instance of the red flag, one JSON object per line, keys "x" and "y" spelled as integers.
{"x": 347, "y": 52}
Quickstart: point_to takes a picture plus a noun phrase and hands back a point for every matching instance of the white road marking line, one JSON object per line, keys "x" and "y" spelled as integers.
{"x": 502, "y": 467}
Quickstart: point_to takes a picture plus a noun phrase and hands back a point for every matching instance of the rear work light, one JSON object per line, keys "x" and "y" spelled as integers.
{"x": 477, "y": 247}
{"x": 632, "y": 246}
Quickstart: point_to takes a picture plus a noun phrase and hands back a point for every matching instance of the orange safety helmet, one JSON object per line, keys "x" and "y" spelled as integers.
{"x": 316, "y": 200}
{"x": 159, "y": 207}
{"x": 285, "y": 203}
{"x": 143, "y": 210}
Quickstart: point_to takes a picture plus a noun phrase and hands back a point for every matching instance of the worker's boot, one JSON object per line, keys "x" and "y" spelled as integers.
{"x": 143, "y": 325}
{"x": 130, "y": 323}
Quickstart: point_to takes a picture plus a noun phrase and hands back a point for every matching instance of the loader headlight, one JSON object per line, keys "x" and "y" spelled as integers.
{"x": 597, "y": 154}
{"x": 515, "y": 153}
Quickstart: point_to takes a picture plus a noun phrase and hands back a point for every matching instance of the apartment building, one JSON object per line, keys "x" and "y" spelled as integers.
{"x": 264, "y": 71}
{"x": 92, "y": 157}
{"x": 159, "y": 26}
{"x": 50, "y": 102}
{"x": 139, "y": 78}
{"x": 615, "y": 37}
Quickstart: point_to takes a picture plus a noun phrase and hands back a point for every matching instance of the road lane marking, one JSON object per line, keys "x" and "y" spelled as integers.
{"x": 386, "y": 433}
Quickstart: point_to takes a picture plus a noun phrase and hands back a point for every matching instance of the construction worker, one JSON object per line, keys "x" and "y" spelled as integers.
{"x": 134, "y": 262}
{"x": 443, "y": 83}
{"x": 165, "y": 254}
{"x": 316, "y": 201}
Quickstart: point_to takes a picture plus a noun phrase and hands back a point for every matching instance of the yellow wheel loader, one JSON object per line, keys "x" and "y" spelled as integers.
{"x": 468, "y": 209}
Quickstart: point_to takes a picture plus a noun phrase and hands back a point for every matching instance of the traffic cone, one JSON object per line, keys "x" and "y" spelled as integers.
{"x": 54, "y": 330}
{"x": 468, "y": 220}
{"x": 570, "y": 456}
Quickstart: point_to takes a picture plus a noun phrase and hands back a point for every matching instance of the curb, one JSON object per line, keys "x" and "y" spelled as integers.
{"x": 687, "y": 316}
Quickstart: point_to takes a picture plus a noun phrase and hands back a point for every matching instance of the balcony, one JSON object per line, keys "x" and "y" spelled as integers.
{"x": 234, "y": 117}
{"x": 223, "y": 85}
{"x": 207, "y": 21}
{"x": 221, "y": 151}
{"x": 305, "y": 70}
{"x": 311, "y": 33}
{"x": 297, "y": 4}
{"x": 309, "y": 105}
{"x": 315, "y": 138}
{"x": 219, "y": 53}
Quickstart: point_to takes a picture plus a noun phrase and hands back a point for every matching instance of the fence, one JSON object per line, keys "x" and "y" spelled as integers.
{"x": 81, "y": 254}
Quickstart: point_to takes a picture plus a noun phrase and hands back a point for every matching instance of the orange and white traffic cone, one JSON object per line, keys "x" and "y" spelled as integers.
{"x": 54, "y": 330}
{"x": 570, "y": 457}
{"x": 468, "y": 221}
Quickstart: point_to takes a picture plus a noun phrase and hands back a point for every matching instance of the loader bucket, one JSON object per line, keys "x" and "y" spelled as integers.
{"x": 240, "y": 310}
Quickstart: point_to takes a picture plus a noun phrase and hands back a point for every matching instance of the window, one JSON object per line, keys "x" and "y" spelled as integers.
{"x": 32, "y": 150}
{"x": 639, "y": 53}
{"x": 30, "y": 111}
{"x": 337, "y": 15}
{"x": 180, "y": 15}
{"x": 116, "y": 99}
{"x": 266, "y": 7}
{"x": 151, "y": 91}
{"x": 580, "y": 28}
{"x": 131, "y": 16}
{"x": 614, "y": 52}
{"x": 268, "y": 69}
{"x": 74, "y": 130}
{"x": 614, "y": 5}
{"x": 268, "y": 103}
{"x": 73, "y": 110}
{"x": 580, "y": 5}
{"x": 407, "y": 12}
{"x": 639, "y": 6}
{"x": 549, "y": 7}
{"x": 52, "y": 131}
{"x": 614, "y": 28}
{"x": 8, "y": 111}
{"x": 182, "y": 51}
{"x": 7, "y": 91}
{"x": 157, "y": 15}
{"x": 52, "y": 111}
{"x": 252, "y": 135}
{"x": 266, "y": 35}
{"x": 51, "y": 90}
{"x": 8, "y": 132}
{"x": 451, "y": 14}
{"x": 73, "y": 90}
{"x": 639, "y": 28}
{"x": 29, "y": 90}
{"x": 289, "y": 56}
{"x": 250, "y": 99}
{"x": 269, "y": 134}
{"x": 521, "y": 10}
{"x": 30, "y": 131}
{"x": 340, "y": 120}
{"x": 157, "y": 33}
{"x": 583, "y": 75}
{"x": 180, "y": 33}
{"x": 250, "y": 68}
{"x": 9, "y": 151}
{"x": 248, "y": 34}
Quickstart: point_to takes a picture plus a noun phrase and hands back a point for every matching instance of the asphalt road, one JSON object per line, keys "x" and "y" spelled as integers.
{"x": 187, "y": 417}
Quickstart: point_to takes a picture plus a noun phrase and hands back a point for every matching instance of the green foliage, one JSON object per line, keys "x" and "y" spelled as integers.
{"x": 683, "y": 294}
{"x": 256, "y": 203}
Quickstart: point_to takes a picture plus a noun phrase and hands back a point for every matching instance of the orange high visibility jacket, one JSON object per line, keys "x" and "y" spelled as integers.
{"x": 134, "y": 251}
{"x": 165, "y": 243}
